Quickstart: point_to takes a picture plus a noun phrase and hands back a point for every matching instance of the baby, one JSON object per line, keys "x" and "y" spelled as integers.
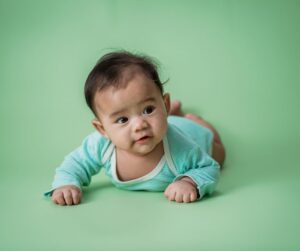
{"x": 142, "y": 141}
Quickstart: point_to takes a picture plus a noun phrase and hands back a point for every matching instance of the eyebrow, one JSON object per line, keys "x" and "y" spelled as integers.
{"x": 114, "y": 114}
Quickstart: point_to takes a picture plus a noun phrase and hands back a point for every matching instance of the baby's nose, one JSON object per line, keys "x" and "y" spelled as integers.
{"x": 140, "y": 124}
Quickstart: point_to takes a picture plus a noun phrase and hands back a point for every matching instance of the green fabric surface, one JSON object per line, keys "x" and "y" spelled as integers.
{"x": 236, "y": 63}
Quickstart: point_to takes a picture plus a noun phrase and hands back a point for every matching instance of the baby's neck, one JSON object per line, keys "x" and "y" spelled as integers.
{"x": 158, "y": 151}
{"x": 132, "y": 166}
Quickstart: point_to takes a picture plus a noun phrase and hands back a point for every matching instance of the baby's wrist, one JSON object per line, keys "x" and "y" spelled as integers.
{"x": 188, "y": 179}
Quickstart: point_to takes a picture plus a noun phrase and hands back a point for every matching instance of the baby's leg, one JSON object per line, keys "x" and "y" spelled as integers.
{"x": 218, "y": 152}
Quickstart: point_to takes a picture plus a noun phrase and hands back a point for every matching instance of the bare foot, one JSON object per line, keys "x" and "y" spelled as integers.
{"x": 197, "y": 119}
{"x": 175, "y": 109}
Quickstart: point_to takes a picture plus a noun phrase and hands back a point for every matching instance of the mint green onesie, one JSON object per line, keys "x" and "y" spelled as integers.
{"x": 187, "y": 148}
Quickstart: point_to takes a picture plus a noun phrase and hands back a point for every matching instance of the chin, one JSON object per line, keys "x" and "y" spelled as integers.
{"x": 144, "y": 150}
{"x": 142, "y": 153}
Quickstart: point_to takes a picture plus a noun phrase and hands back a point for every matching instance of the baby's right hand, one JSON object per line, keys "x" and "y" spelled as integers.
{"x": 67, "y": 195}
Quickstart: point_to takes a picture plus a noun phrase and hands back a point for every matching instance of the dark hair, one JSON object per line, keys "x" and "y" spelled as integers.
{"x": 110, "y": 71}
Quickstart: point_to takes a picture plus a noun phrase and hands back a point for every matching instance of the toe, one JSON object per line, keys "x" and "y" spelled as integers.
{"x": 176, "y": 108}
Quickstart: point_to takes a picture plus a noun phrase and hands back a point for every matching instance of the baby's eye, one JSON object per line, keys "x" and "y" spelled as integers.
{"x": 149, "y": 109}
{"x": 122, "y": 120}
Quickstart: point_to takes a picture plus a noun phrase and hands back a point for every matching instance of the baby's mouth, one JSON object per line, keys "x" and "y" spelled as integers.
{"x": 143, "y": 139}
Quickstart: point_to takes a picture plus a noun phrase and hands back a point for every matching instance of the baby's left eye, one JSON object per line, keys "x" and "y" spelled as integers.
{"x": 149, "y": 109}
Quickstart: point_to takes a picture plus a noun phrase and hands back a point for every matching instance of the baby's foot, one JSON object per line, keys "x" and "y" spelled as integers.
{"x": 175, "y": 108}
{"x": 195, "y": 118}
{"x": 198, "y": 120}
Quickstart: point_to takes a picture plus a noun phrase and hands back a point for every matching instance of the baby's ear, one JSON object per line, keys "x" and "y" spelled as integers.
{"x": 99, "y": 127}
{"x": 167, "y": 101}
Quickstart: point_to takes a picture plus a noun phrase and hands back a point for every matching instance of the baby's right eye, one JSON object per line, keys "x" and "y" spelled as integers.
{"x": 122, "y": 120}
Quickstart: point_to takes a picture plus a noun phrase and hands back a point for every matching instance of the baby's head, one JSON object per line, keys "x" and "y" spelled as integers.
{"x": 115, "y": 70}
{"x": 126, "y": 95}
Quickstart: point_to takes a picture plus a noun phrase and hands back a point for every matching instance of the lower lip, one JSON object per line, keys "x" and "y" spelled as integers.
{"x": 143, "y": 140}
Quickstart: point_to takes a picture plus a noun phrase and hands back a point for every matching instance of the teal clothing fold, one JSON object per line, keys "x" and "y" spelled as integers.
{"x": 187, "y": 148}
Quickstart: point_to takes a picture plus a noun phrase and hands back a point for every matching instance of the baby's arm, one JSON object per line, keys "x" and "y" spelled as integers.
{"x": 76, "y": 171}
{"x": 201, "y": 171}
{"x": 183, "y": 190}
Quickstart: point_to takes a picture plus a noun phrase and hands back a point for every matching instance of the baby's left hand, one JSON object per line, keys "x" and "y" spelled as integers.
{"x": 183, "y": 190}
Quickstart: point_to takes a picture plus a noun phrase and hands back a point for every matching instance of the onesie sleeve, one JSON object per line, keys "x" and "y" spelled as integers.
{"x": 202, "y": 169}
{"x": 80, "y": 165}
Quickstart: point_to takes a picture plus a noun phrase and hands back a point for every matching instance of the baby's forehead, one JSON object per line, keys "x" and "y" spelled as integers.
{"x": 130, "y": 73}
{"x": 136, "y": 90}
{"x": 127, "y": 77}
{"x": 133, "y": 87}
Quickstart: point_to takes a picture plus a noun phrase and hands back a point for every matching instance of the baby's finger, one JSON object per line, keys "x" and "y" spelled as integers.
{"x": 193, "y": 196}
{"x": 68, "y": 197}
{"x": 186, "y": 198}
{"x": 58, "y": 198}
{"x": 171, "y": 195}
{"x": 179, "y": 197}
{"x": 76, "y": 196}
{"x": 168, "y": 192}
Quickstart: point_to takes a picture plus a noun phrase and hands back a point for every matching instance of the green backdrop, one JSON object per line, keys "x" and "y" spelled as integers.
{"x": 236, "y": 63}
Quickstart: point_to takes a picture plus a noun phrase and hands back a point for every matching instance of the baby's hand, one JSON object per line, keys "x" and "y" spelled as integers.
{"x": 183, "y": 190}
{"x": 67, "y": 195}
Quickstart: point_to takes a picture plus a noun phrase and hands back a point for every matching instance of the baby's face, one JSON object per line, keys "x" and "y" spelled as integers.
{"x": 134, "y": 118}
